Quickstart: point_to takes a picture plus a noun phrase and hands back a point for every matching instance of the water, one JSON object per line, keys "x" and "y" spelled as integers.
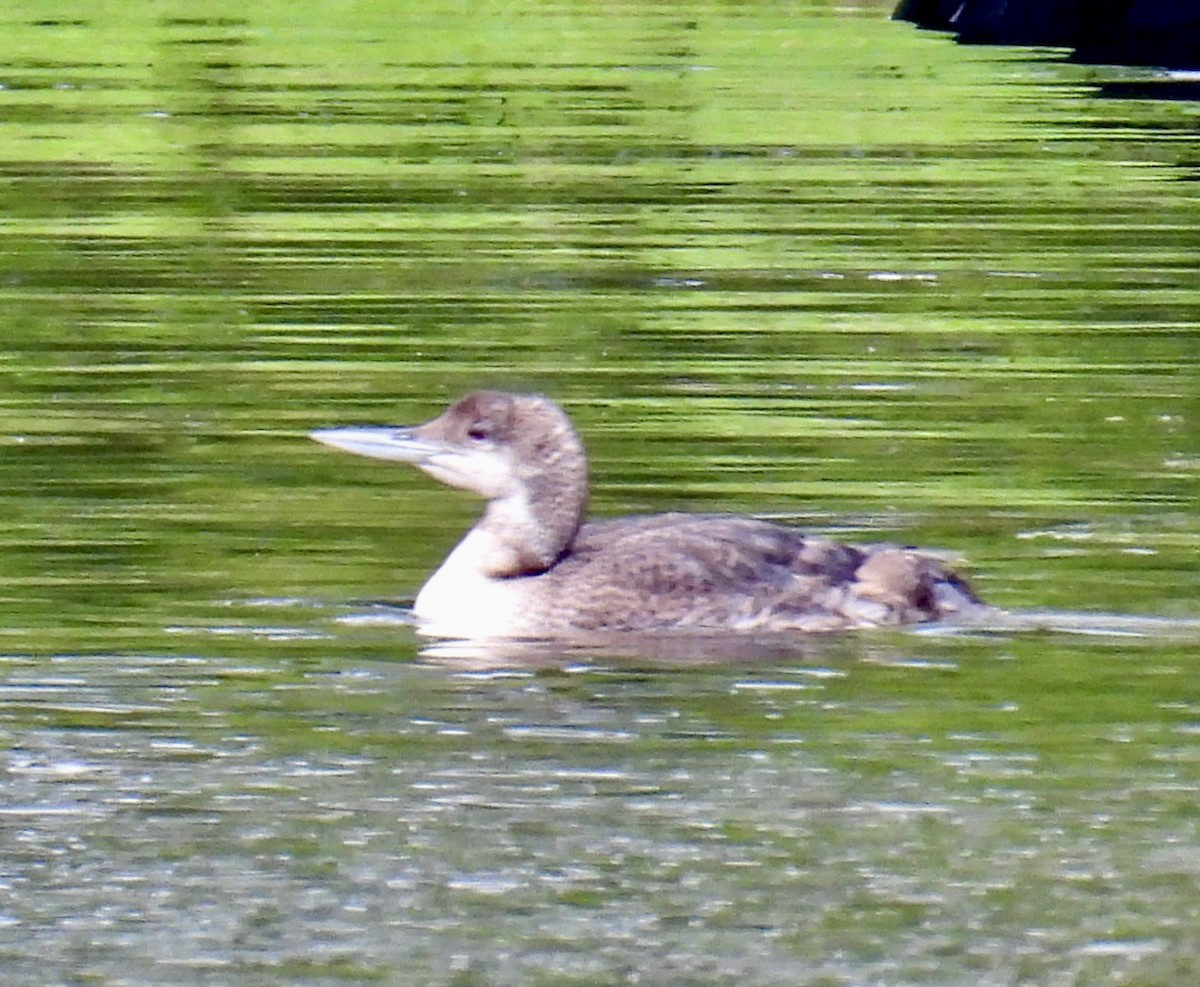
{"x": 801, "y": 262}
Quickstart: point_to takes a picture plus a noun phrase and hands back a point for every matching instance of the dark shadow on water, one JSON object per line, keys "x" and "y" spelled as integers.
{"x": 667, "y": 650}
{"x": 690, "y": 649}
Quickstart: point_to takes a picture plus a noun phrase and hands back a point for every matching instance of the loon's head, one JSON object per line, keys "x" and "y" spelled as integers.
{"x": 517, "y": 451}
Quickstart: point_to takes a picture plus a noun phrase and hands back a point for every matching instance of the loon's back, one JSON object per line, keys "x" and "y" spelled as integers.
{"x": 736, "y": 573}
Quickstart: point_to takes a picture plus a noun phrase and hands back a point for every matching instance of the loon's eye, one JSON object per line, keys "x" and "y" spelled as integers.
{"x": 478, "y": 433}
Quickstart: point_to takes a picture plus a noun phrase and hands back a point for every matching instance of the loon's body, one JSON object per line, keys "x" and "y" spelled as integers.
{"x": 533, "y": 568}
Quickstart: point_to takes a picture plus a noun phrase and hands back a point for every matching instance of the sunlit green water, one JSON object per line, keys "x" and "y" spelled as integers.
{"x": 796, "y": 261}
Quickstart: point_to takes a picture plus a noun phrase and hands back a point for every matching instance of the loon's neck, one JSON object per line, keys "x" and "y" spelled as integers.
{"x": 523, "y": 535}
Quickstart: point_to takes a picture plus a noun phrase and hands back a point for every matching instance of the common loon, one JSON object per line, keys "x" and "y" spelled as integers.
{"x": 532, "y": 568}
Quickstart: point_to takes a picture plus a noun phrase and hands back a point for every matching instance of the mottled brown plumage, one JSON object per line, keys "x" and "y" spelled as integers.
{"x": 531, "y": 567}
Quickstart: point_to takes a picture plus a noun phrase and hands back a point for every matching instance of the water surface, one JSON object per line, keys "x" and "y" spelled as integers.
{"x": 798, "y": 261}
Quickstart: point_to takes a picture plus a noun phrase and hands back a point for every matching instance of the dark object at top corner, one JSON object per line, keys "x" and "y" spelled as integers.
{"x": 1164, "y": 33}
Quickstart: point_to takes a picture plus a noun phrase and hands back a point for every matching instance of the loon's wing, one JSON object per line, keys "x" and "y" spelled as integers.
{"x": 699, "y": 570}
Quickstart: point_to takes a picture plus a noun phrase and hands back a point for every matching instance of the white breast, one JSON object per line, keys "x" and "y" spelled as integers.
{"x": 461, "y": 601}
